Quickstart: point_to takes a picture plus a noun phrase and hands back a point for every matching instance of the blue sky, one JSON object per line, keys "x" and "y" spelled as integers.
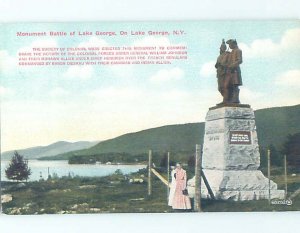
{"x": 46, "y": 104}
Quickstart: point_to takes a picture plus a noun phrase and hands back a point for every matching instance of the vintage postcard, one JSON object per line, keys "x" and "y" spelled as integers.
{"x": 143, "y": 117}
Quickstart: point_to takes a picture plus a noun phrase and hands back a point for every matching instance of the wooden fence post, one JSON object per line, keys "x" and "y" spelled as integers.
{"x": 285, "y": 176}
{"x": 168, "y": 170}
{"x": 149, "y": 173}
{"x": 198, "y": 165}
{"x": 269, "y": 174}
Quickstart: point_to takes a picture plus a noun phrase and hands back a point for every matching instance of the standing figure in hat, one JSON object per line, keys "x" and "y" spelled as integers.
{"x": 234, "y": 71}
{"x": 221, "y": 66}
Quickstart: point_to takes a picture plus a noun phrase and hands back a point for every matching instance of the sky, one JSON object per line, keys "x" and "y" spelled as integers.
{"x": 42, "y": 105}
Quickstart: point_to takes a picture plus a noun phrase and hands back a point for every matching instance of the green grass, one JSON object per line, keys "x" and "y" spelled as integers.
{"x": 114, "y": 194}
{"x": 106, "y": 194}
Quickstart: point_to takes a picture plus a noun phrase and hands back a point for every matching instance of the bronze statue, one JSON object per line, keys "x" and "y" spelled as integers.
{"x": 229, "y": 72}
{"x": 221, "y": 66}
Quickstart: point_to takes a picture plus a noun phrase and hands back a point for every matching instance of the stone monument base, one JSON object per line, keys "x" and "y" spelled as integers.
{"x": 231, "y": 157}
{"x": 237, "y": 186}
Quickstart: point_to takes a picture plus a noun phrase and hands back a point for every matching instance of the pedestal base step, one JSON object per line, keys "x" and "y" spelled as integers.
{"x": 237, "y": 185}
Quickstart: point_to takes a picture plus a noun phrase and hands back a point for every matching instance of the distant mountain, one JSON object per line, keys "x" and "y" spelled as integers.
{"x": 50, "y": 150}
{"x": 273, "y": 126}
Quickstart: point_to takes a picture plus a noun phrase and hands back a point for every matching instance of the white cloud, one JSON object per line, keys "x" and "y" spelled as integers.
{"x": 48, "y": 43}
{"x": 208, "y": 69}
{"x": 291, "y": 39}
{"x": 259, "y": 100}
{"x": 127, "y": 70}
{"x": 116, "y": 93}
{"x": 249, "y": 96}
{"x": 167, "y": 75}
{"x": 93, "y": 42}
{"x": 153, "y": 41}
{"x": 136, "y": 99}
{"x": 260, "y": 47}
{"x": 146, "y": 108}
{"x": 79, "y": 72}
{"x": 5, "y": 92}
{"x": 123, "y": 71}
{"x": 117, "y": 70}
{"x": 58, "y": 92}
{"x": 289, "y": 78}
{"x": 7, "y": 62}
{"x": 267, "y": 47}
{"x": 174, "y": 95}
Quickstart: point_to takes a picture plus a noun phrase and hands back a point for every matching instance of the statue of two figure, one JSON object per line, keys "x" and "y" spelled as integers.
{"x": 229, "y": 72}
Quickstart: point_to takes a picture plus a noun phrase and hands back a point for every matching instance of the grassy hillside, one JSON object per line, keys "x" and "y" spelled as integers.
{"x": 273, "y": 126}
{"x": 166, "y": 138}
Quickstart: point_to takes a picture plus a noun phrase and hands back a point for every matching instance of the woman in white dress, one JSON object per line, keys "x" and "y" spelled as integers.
{"x": 172, "y": 186}
{"x": 180, "y": 198}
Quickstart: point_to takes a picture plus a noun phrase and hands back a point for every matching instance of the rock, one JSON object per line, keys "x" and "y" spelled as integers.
{"x": 218, "y": 151}
{"x": 136, "y": 181}
{"x": 62, "y": 212}
{"x": 29, "y": 205}
{"x": 74, "y": 207}
{"x": 20, "y": 185}
{"x": 231, "y": 157}
{"x": 53, "y": 191}
{"x": 115, "y": 182}
{"x": 80, "y": 206}
{"x": 66, "y": 190}
{"x": 6, "y": 198}
{"x": 87, "y": 186}
{"x": 15, "y": 210}
{"x": 95, "y": 210}
{"x": 26, "y": 208}
{"x": 84, "y": 205}
{"x": 137, "y": 199}
{"x": 237, "y": 185}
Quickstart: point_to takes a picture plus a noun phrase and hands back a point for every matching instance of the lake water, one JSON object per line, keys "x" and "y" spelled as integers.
{"x": 62, "y": 168}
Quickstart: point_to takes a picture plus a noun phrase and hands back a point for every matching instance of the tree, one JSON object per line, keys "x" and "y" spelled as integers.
{"x": 191, "y": 161}
{"x": 263, "y": 157}
{"x": 291, "y": 149}
{"x": 18, "y": 168}
{"x": 275, "y": 157}
{"x": 164, "y": 161}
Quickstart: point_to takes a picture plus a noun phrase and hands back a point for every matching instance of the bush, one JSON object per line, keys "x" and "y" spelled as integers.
{"x": 291, "y": 149}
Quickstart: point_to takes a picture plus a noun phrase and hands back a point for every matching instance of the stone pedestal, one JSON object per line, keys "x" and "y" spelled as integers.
{"x": 231, "y": 156}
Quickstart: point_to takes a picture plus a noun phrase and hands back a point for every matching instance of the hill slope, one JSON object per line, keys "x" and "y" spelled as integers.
{"x": 171, "y": 137}
{"x": 273, "y": 125}
{"x": 50, "y": 150}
